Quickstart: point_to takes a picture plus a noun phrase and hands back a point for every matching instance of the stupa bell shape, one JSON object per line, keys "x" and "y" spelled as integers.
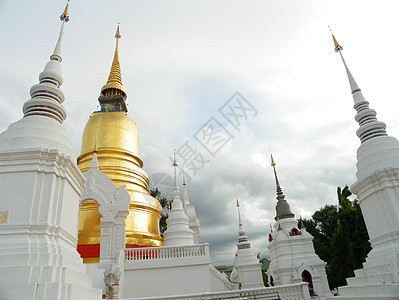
{"x": 114, "y": 137}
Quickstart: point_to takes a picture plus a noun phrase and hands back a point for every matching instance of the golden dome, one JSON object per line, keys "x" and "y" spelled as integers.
{"x": 114, "y": 137}
{"x": 111, "y": 131}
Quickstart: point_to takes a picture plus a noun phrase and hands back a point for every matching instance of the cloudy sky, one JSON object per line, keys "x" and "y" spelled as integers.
{"x": 182, "y": 61}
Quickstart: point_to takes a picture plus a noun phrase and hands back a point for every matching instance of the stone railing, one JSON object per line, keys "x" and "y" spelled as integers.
{"x": 155, "y": 253}
{"x": 284, "y": 292}
{"x": 222, "y": 277}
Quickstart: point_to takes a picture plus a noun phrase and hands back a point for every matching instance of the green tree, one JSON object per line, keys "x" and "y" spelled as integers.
{"x": 323, "y": 226}
{"x": 340, "y": 237}
{"x": 156, "y": 193}
{"x": 350, "y": 244}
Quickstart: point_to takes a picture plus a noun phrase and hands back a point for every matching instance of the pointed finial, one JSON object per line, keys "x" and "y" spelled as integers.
{"x": 272, "y": 160}
{"x": 239, "y": 214}
{"x": 175, "y": 173}
{"x": 57, "y": 50}
{"x": 283, "y": 209}
{"x": 184, "y": 179}
{"x": 174, "y": 158}
{"x": 65, "y": 15}
{"x": 118, "y": 33}
{"x": 114, "y": 84}
{"x": 337, "y": 46}
{"x": 271, "y": 157}
{"x": 94, "y": 162}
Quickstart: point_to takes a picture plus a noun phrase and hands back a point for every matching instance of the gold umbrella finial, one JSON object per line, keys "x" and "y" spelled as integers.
{"x": 65, "y": 15}
{"x": 118, "y": 33}
{"x": 174, "y": 159}
{"x": 272, "y": 160}
{"x": 337, "y": 46}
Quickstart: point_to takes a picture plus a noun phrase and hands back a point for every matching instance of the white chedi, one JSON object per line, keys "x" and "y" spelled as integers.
{"x": 40, "y": 186}
{"x": 247, "y": 271}
{"x": 178, "y": 232}
{"x": 292, "y": 255}
{"x": 377, "y": 189}
{"x": 189, "y": 209}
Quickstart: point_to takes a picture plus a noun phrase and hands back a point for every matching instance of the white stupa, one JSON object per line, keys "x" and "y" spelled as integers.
{"x": 40, "y": 187}
{"x": 292, "y": 254}
{"x": 178, "y": 232}
{"x": 377, "y": 189}
{"x": 189, "y": 209}
{"x": 247, "y": 271}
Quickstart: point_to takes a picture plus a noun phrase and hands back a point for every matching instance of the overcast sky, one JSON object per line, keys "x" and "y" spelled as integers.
{"x": 182, "y": 61}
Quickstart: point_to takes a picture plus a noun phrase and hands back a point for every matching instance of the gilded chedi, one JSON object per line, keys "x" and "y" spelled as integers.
{"x": 114, "y": 137}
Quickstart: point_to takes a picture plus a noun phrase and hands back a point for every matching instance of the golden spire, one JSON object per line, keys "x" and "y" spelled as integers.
{"x": 337, "y": 46}
{"x": 272, "y": 160}
{"x": 65, "y": 14}
{"x": 184, "y": 179}
{"x": 114, "y": 84}
{"x": 238, "y": 203}
{"x": 174, "y": 159}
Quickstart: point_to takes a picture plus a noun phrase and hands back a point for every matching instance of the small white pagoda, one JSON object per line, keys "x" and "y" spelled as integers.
{"x": 292, "y": 254}
{"x": 247, "y": 271}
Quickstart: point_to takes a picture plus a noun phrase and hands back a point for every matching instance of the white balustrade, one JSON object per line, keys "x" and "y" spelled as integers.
{"x": 156, "y": 253}
{"x": 285, "y": 292}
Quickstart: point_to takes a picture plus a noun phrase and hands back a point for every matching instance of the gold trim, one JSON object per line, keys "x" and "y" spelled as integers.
{"x": 91, "y": 260}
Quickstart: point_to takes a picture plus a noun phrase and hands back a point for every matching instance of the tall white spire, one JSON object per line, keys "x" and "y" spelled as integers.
{"x": 57, "y": 50}
{"x": 47, "y": 96}
{"x": 41, "y": 125}
{"x": 178, "y": 232}
{"x": 370, "y": 127}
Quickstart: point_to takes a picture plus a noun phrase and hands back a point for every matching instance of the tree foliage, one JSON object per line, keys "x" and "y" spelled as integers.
{"x": 340, "y": 237}
{"x": 156, "y": 193}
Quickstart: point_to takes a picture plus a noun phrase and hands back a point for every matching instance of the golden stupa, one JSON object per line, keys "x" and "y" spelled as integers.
{"x": 114, "y": 137}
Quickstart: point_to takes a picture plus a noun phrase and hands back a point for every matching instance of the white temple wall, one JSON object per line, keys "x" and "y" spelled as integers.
{"x": 163, "y": 280}
{"x": 38, "y": 240}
